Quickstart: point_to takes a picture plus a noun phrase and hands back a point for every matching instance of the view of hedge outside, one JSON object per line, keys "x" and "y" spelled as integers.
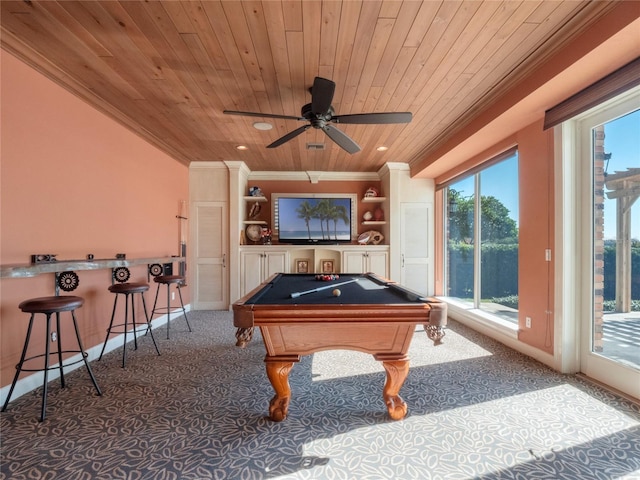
{"x": 495, "y": 273}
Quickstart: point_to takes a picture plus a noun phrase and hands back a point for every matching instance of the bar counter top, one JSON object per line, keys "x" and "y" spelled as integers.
{"x": 26, "y": 270}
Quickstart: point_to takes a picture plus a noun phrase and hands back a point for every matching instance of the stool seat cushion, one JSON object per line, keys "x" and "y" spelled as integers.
{"x": 51, "y": 304}
{"x": 169, "y": 279}
{"x": 129, "y": 287}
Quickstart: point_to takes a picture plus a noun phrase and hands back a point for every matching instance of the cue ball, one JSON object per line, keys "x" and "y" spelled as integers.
{"x": 336, "y": 292}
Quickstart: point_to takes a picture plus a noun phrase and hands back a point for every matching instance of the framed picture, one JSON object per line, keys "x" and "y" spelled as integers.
{"x": 326, "y": 266}
{"x": 302, "y": 265}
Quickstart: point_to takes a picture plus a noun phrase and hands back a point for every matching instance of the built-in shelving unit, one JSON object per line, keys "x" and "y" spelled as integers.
{"x": 373, "y": 200}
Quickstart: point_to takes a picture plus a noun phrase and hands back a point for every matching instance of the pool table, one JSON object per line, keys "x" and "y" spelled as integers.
{"x": 299, "y": 315}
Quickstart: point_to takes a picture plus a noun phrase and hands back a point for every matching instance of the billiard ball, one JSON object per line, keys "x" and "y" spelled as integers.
{"x": 336, "y": 292}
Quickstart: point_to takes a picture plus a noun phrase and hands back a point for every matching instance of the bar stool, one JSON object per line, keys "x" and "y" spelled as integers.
{"x": 128, "y": 289}
{"x": 168, "y": 280}
{"x": 48, "y": 306}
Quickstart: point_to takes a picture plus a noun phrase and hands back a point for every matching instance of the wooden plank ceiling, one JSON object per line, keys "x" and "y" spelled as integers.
{"x": 167, "y": 70}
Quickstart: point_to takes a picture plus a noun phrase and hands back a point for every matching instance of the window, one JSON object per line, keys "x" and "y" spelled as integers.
{"x": 482, "y": 211}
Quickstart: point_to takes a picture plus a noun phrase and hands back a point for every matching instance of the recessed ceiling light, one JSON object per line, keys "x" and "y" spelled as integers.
{"x": 262, "y": 126}
{"x": 382, "y": 148}
{"x": 242, "y": 147}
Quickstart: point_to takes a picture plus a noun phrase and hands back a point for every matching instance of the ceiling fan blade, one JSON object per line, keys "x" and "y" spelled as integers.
{"x": 264, "y": 115}
{"x": 322, "y": 95}
{"x": 341, "y": 139}
{"x": 289, "y": 136}
{"x": 374, "y": 118}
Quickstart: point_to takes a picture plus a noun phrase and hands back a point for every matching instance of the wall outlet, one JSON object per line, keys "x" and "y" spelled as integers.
{"x": 173, "y": 295}
{"x": 527, "y": 322}
{"x": 54, "y": 336}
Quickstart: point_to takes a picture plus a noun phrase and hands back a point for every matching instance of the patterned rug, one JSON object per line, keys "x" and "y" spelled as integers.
{"x": 477, "y": 410}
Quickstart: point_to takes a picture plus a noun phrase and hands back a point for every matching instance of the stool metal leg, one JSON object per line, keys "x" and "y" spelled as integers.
{"x": 84, "y": 354}
{"x": 149, "y": 329}
{"x": 126, "y": 319}
{"x": 46, "y": 369}
{"x": 59, "y": 339}
{"x": 113, "y": 314}
{"x": 184, "y": 312}
{"x": 133, "y": 317}
{"x": 19, "y": 365}
{"x": 168, "y": 308}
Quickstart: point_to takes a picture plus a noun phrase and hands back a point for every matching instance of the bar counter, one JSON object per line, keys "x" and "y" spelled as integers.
{"x": 26, "y": 270}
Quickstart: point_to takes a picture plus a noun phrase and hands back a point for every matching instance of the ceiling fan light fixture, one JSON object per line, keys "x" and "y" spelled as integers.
{"x": 242, "y": 147}
{"x": 382, "y": 148}
{"x": 262, "y": 126}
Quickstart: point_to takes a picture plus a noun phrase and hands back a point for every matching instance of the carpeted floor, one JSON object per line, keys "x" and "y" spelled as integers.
{"x": 477, "y": 410}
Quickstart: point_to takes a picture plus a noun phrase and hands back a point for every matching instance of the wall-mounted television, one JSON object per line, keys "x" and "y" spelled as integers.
{"x": 314, "y": 218}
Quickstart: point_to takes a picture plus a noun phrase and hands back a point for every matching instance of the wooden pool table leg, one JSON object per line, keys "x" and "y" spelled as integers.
{"x": 243, "y": 336}
{"x": 397, "y": 370}
{"x": 278, "y": 369}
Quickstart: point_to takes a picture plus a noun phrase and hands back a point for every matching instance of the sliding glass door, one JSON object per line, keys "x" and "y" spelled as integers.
{"x": 609, "y": 157}
{"x": 482, "y": 239}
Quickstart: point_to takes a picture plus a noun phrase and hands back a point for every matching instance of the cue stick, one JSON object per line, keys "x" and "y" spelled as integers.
{"x": 297, "y": 294}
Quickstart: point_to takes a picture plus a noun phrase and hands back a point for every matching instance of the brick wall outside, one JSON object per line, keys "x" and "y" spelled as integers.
{"x": 598, "y": 236}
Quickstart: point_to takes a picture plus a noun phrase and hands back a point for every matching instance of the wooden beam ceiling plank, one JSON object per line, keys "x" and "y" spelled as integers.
{"x": 392, "y": 8}
{"x": 292, "y": 15}
{"x": 400, "y": 65}
{"x": 222, "y": 30}
{"x": 423, "y": 21}
{"x": 274, "y": 17}
{"x": 217, "y": 93}
{"x": 311, "y": 21}
{"x": 501, "y": 26}
{"x": 179, "y": 17}
{"x": 131, "y": 50}
{"x": 244, "y": 44}
{"x": 405, "y": 17}
{"x": 331, "y": 12}
{"x": 66, "y": 20}
{"x": 362, "y": 41}
{"x": 61, "y": 47}
{"x": 176, "y": 53}
{"x": 349, "y": 16}
{"x": 426, "y": 49}
{"x": 295, "y": 52}
{"x": 495, "y": 71}
{"x": 261, "y": 43}
{"x": 442, "y": 58}
{"x": 205, "y": 32}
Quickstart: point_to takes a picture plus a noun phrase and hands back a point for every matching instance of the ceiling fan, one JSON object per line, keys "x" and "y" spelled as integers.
{"x": 320, "y": 114}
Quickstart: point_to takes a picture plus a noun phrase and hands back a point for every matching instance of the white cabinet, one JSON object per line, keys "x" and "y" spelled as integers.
{"x": 259, "y": 262}
{"x": 359, "y": 261}
{"x": 256, "y": 265}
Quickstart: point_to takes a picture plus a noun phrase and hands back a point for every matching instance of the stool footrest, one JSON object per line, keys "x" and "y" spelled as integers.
{"x": 55, "y": 367}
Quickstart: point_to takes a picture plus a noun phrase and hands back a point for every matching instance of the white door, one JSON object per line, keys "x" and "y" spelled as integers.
{"x": 608, "y": 157}
{"x": 210, "y": 289}
{"x": 416, "y": 248}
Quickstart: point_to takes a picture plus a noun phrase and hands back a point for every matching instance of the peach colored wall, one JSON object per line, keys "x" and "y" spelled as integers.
{"x": 358, "y": 187}
{"x": 535, "y": 275}
{"x": 75, "y": 182}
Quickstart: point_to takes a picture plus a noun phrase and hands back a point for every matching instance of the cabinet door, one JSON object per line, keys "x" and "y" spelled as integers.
{"x": 251, "y": 267}
{"x": 210, "y": 291}
{"x": 275, "y": 262}
{"x": 353, "y": 262}
{"x": 377, "y": 263}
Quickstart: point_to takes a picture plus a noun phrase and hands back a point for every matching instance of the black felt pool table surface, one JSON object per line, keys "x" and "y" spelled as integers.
{"x": 362, "y": 289}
